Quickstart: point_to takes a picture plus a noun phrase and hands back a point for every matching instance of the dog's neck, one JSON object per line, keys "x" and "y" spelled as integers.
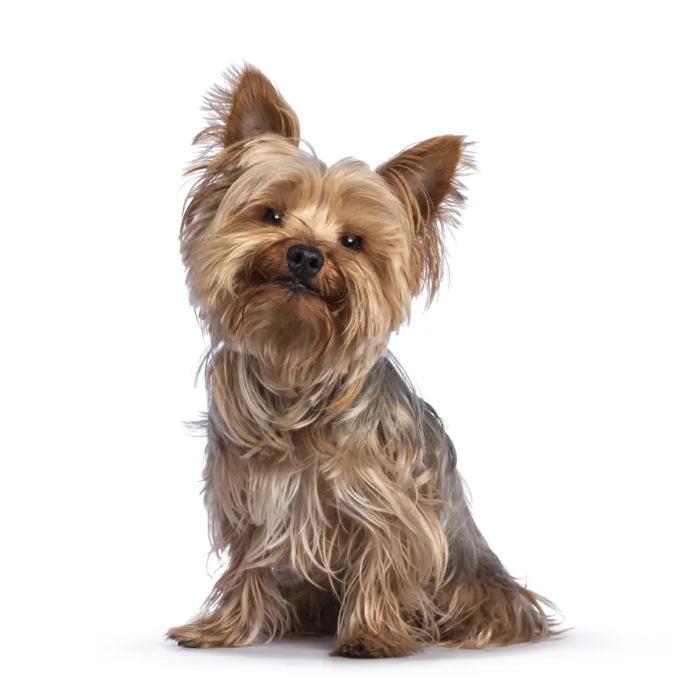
{"x": 260, "y": 406}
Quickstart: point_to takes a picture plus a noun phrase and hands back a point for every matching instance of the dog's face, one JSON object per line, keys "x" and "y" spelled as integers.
{"x": 303, "y": 265}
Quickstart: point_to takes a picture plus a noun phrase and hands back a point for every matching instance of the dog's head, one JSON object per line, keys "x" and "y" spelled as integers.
{"x": 301, "y": 264}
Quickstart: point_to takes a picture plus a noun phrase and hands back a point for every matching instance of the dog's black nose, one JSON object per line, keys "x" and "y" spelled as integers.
{"x": 304, "y": 262}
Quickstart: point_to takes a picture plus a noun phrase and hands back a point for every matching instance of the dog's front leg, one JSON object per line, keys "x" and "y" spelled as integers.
{"x": 244, "y": 604}
{"x": 372, "y": 622}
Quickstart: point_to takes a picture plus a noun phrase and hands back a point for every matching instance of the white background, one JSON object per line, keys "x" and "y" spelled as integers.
{"x": 561, "y": 355}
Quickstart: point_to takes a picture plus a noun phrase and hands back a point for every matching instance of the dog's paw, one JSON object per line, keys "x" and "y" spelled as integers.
{"x": 371, "y": 648}
{"x": 210, "y": 632}
{"x": 359, "y": 650}
{"x": 187, "y": 637}
{"x": 199, "y": 634}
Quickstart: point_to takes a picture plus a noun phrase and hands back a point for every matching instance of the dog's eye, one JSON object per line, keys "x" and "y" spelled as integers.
{"x": 273, "y": 217}
{"x": 352, "y": 241}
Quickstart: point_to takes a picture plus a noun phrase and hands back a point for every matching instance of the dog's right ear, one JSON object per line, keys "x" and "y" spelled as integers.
{"x": 248, "y": 106}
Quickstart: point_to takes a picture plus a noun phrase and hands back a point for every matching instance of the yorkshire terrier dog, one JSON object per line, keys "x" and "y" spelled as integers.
{"x": 331, "y": 487}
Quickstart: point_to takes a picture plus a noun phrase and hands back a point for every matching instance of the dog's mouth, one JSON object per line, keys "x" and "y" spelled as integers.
{"x": 296, "y": 286}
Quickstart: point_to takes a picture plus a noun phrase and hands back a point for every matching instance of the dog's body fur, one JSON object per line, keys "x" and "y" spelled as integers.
{"x": 331, "y": 487}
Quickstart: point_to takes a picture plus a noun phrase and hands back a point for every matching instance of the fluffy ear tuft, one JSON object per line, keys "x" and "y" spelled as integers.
{"x": 247, "y": 106}
{"x": 425, "y": 177}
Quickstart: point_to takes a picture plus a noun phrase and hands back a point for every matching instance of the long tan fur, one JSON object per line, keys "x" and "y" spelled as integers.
{"x": 331, "y": 487}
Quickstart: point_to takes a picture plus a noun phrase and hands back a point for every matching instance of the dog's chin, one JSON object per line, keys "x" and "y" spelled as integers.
{"x": 283, "y": 321}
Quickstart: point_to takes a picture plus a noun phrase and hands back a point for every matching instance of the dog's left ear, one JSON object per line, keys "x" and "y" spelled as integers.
{"x": 425, "y": 178}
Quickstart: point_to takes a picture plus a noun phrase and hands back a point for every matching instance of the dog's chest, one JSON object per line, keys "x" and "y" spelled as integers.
{"x": 295, "y": 518}
{"x": 280, "y": 501}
